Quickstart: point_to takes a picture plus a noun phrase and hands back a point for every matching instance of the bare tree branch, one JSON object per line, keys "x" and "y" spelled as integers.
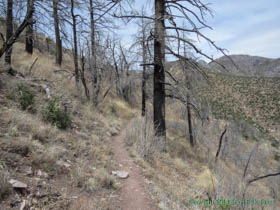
{"x": 263, "y": 177}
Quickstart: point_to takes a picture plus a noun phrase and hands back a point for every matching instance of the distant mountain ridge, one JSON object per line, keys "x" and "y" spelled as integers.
{"x": 251, "y": 66}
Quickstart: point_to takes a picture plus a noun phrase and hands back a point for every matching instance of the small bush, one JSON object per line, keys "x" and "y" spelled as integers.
{"x": 78, "y": 176}
{"x": 91, "y": 185}
{"x": 26, "y": 98}
{"x": 105, "y": 180}
{"x": 54, "y": 114}
{"x": 100, "y": 180}
{"x": 277, "y": 157}
{"x": 275, "y": 144}
{"x": 141, "y": 136}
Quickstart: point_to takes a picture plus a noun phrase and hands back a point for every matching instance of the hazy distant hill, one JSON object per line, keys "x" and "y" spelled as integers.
{"x": 248, "y": 66}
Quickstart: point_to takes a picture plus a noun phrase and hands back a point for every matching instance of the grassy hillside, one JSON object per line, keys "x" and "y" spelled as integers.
{"x": 63, "y": 168}
{"x": 71, "y": 168}
{"x": 248, "y": 107}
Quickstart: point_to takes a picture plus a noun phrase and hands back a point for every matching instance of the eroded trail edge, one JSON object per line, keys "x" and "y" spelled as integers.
{"x": 133, "y": 195}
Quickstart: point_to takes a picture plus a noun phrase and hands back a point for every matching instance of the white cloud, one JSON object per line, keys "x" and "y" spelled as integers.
{"x": 264, "y": 44}
{"x": 242, "y": 27}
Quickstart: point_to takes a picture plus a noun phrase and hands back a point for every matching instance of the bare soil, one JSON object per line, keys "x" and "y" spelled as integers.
{"x": 133, "y": 195}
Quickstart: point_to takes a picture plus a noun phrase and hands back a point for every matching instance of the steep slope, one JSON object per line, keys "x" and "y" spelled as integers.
{"x": 248, "y": 66}
{"x": 246, "y": 109}
{"x": 253, "y": 99}
{"x": 62, "y": 168}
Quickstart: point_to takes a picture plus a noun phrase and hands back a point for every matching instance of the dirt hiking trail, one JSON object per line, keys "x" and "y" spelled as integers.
{"x": 133, "y": 195}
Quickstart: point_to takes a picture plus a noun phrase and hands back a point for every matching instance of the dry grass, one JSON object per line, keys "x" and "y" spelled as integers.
{"x": 27, "y": 141}
{"x": 5, "y": 188}
{"x": 141, "y": 136}
{"x": 186, "y": 173}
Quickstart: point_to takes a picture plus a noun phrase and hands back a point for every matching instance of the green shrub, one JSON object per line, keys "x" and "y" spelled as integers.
{"x": 275, "y": 144}
{"x": 277, "y": 157}
{"x": 54, "y": 114}
{"x": 26, "y": 98}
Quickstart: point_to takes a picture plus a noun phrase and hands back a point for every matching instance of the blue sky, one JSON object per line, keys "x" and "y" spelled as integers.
{"x": 241, "y": 26}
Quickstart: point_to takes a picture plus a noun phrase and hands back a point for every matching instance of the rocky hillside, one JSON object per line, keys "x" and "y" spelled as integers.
{"x": 246, "y": 65}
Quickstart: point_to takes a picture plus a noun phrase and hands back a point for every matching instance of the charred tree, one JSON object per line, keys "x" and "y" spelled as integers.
{"x": 190, "y": 121}
{"x": 83, "y": 62}
{"x": 144, "y": 58}
{"x": 9, "y": 29}
{"x": 220, "y": 144}
{"x": 9, "y": 42}
{"x": 58, "y": 44}
{"x": 144, "y": 82}
{"x": 93, "y": 67}
{"x": 75, "y": 50}
{"x": 29, "y": 30}
{"x": 159, "y": 74}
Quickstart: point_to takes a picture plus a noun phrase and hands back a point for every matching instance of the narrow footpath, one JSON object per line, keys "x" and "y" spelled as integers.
{"x": 133, "y": 195}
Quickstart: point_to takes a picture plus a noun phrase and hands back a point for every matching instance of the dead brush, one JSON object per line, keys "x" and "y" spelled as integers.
{"x": 141, "y": 136}
{"x": 92, "y": 181}
{"x": 47, "y": 158}
{"x": 100, "y": 180}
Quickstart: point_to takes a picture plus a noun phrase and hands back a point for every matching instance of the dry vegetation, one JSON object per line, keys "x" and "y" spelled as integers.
{"x": 186, "y": 173}
{"x": 63, "y": 168}
{"x": 251, "y": 99}
{"x": 249, "y": 108}
{"x": 76, "y": 163}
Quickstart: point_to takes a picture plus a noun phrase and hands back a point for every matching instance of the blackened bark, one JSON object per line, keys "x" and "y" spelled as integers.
{"x": 83, "y": 77}
{"x": 9, "y": 43}
{"x": 220, "y": 144}
{"x": 94, "y": 71}
{"x": 9, "y": 29}
{"x": 29, "y": 30}
{"x": 144, "y": 53}
{"x": 190, "y": 121}
{"x": 58, "y": 43}
{"x": 263, "y": 177}
{"x": 159, "y": 77}
{"x": 144, "y": 91}
{"x": 75, "y": 54}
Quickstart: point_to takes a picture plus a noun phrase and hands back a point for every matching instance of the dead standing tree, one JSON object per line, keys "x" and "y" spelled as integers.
{"x": 8, "y": 43}
{"x": 29, "y": 30}
{"x": 192, "y": 12}
{"x": 121, "y": 64}
{"x": 58, "y": 43}
{"x": 145, "y": 31}
{"x": 9, "y": 29}
{"x": 93, "y": 67}
{"x": 98, "y": 11}
{"x": 144, "y": 47}
{"x": 75, "y": 50}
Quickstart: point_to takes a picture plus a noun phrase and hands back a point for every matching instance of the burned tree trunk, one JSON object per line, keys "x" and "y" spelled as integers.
{"x": 9, "y": 42}
{"x": 9, "y": 29}
{"x": 29, "y": 30}
{"x": 93, "y": 67}
{"x": 144, "y": 57}
{"x": 58, "y": 44}
{"x": 83, "y": 76}
{"x": 190, "y": 121}
{"x": 220, "y": 144}
{"x": 144, "y": 90}
{"x": 159, "y": 75}
{"x": 75, "y": 53}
